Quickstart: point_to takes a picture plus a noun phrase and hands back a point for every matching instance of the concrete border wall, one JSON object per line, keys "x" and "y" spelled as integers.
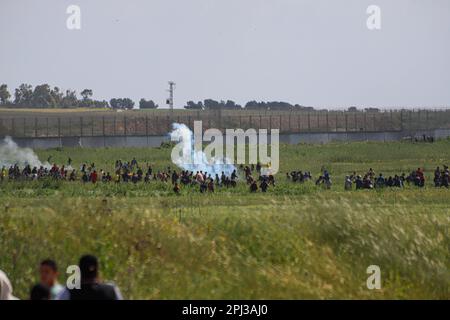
{"x": 155, "y": 141}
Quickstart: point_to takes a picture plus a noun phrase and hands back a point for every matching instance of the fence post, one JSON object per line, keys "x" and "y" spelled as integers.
{"x": 35, "y": 127}
{"x": 346, "y": 121}
{"x": 103, "y": 125}
{"x": 59, "y": 127}
{"x": 289, "y": 119}
{"x": 146, "y": 125}
{"x": 373, "y": 122}
{"x": 402, "y": 120}
{"x": 318, "y": 120}
{"x": 309, "y": 121}
{"x": 337, "y": 121}
{"x": 280, "y": 123}
{"x": 410, "y": 121}
{"x": 365, "y": 121}
{"x": 219, "y": 113}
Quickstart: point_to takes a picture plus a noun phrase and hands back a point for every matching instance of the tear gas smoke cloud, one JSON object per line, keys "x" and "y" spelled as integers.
{"x": 196, "y": 160}
{"x": 11, "y": 154}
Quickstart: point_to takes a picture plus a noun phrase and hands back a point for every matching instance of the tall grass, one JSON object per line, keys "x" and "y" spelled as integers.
{"x": 297, "y": 241}
{"x": 238, "y": 248}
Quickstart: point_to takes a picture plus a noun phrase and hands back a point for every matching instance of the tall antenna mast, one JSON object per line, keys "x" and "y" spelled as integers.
{"x": 171, "y": 91}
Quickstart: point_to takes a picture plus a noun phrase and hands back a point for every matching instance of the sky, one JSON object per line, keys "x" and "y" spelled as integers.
{"x": 309, "y": 52}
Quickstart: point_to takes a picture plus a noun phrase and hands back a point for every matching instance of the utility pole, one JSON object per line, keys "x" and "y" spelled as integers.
{"x": 171, "y": 90}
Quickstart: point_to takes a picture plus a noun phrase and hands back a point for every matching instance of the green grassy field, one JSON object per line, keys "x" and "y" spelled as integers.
{"x": 295, "y": 242}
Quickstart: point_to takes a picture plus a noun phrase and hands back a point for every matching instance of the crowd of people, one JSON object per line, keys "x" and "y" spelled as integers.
{"x": 300, "y": 177}
{"x": 417, "y": 178}
{"x": 132, "y": 172}
{"x": 89, "y": 287}
{"x": 253, "y": 175}
{"x": 441, "y": 177}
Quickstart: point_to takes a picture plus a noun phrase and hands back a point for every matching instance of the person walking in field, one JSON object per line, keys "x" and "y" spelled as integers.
{"x": 93, "y": 177}
{"x": 92, "y": 288}
{"x": 134, "y": 163}
{"x": 176, "y": 188}
{"x": 420, "y": 178}
{"x": 264, "y": 185}
{"x": 253, "y": 187}
{"x": 348, "y": 183}
{"x": 437, "y": 177}
{"x": 211, "y": 185}
{"x": 445, "y": 180}
{"x": 381, "y": 181}
{"x": 174, "y": 177}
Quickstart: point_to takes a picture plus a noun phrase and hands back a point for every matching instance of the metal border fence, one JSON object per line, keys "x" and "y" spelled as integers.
{"x": 143, "y": 123}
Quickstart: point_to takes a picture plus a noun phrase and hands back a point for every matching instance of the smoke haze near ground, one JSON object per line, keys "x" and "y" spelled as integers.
{"x": 12, "y": 154}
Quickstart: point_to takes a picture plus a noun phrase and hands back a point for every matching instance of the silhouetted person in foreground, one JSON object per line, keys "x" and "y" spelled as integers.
{"x": 91, "y": 287}
{"x": 40, "y": 292}
{"x": 5, "y": 288}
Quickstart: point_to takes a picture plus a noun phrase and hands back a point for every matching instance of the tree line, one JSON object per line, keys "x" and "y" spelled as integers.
{"x": 44, "y": 96}
{"x": 210, "y": 104}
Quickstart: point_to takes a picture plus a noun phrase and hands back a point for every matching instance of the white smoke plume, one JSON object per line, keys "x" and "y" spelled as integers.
{"x": 11, "y": 154}
{"x": 193, "y": 160}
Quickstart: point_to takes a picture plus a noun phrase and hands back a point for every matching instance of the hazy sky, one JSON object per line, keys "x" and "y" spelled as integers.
{"x": 311, "y": 52}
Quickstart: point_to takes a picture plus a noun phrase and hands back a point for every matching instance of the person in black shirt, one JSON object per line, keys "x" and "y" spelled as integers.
{"x": 91, "y": 287}
{"x": 264, "y": 185}
{"x": 40, "y": 292}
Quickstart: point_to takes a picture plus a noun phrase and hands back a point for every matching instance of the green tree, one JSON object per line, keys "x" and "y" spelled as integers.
{"x": 57, "y": 96}
{"x": 70, "y": 99}
{"x": 86, "y": 102}
{"x": 4, "y": 94}
{"x": 23, "y": 95}
{"x": 42, "y": 97}
{"x": 150, "y": 104}
{"x": 191, "y": 105}
{"x": 86, "y": 94}
{"x": 124, "y": 103}
{"x": 100, "y": 104}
